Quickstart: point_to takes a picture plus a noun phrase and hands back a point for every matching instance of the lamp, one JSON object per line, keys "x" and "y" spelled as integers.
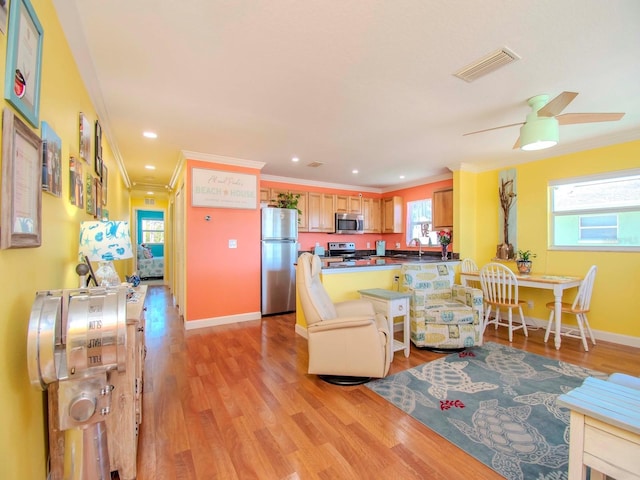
{"x": 539, "y": 133}
{"x": 104, "y": 242}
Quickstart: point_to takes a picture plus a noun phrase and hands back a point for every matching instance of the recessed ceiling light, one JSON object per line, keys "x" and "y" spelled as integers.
{"x": 401, "y": 177}
{"x": 149, "y": 167}
{"x": 355, "y": 170}
{"x": 150, "y": 134}
{"x": 149, "y": 193}
{"x": 295, "y": 159}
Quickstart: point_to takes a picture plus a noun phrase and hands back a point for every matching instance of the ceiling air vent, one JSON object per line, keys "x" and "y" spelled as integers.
{"x": 315, "y": 164}
{"x": 486, "y": 65}
{"x": 149, "y": 201}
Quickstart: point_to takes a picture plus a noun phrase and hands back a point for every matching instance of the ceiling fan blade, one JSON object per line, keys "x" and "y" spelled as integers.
{"x": 494, "y": 128}
{"x": 557, "y": 105}
{"x": 517, "y": 144}
{"x": 571, "y": 118}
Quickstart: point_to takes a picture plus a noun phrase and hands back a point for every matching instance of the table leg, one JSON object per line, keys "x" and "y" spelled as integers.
{"x": 557, "y": 292}
{"x": 391, "y": 331}
{"x": 407, "y": 343}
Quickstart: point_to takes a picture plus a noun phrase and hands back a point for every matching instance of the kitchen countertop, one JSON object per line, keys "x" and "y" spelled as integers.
{"x": 375, "y": 263}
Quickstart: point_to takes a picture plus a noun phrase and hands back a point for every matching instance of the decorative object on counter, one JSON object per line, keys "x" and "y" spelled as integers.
{"x": 104, "y": 242}
{"x": 289, "y": 200}
{"x": 524, "y": 261}
{"x": 444, "y": 237}
{"x": 507, "y": 195}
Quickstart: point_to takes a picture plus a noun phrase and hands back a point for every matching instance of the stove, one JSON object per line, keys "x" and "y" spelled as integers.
{"x": 346, "y": 250}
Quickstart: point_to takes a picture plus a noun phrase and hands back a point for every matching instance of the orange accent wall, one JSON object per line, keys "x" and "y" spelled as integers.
{"x": 222, "y": 281}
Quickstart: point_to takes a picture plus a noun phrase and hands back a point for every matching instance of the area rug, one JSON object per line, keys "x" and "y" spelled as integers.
{"x": 495, "y": 402}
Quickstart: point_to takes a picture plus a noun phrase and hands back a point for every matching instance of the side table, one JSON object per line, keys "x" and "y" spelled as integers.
{"x": 392, "y": 304}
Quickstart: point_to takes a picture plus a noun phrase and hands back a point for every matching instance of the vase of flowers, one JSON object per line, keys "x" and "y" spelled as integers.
{"x": 444, "y": 237}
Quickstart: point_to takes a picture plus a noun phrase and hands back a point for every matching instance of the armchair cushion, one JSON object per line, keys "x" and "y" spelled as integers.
{"x": 443, "y": 315}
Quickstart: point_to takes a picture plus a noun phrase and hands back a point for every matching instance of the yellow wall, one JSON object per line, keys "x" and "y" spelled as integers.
{"x": 51, "y": 266}
{"x": 615, "y": 300}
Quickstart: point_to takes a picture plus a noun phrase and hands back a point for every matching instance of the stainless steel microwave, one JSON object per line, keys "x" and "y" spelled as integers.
{"x": 347, "y": 223}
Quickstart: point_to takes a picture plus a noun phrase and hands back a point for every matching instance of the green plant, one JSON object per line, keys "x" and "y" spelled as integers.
{"x": 289, "y": 200}
{"x": 525, "y": 255}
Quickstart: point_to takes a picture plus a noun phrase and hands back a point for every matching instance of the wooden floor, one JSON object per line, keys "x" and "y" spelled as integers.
{"x": 235, "y": 402}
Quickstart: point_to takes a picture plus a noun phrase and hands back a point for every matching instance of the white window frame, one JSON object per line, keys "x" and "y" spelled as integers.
{"x": 590, "y": 246}
{"x": 143, "y": 230}
{"x": 432, "y": 238}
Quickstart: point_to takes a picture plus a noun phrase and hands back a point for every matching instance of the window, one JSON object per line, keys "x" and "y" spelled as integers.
{"x": 596, "y": 212}
{"x": 419, "y": 222}
{"x": 153, "y": 231}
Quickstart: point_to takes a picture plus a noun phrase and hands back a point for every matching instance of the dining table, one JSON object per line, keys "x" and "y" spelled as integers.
{"x": 557, "y": 283}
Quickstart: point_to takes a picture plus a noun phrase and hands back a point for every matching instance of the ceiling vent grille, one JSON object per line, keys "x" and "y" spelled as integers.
{"x": 486, "y": 65}
{"x": 315, "y": 164}
{"x": 149, "y": 201}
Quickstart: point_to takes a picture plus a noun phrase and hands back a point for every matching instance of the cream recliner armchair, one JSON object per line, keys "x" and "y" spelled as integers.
{"x": 347, "y": 340}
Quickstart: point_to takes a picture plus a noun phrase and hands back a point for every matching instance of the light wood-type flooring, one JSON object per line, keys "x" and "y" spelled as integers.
{"x": 235, "y": 402}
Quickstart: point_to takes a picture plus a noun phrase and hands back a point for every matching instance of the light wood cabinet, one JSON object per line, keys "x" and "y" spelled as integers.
{"x": 443, "y": 209}
{"x": 321, "y": 212}
{"x": 392, "y": 215}
{"x": 265, "y": 195}
{"x": 349, "y": 203}
{"x": 371, "y": 213}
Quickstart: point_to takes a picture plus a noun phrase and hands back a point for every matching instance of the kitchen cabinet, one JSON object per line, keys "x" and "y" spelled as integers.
{"x": 392, "y": 215}
{"x": 265, "y": 195}
{"x": 302, "y": 205}
{"x": 443, "y": 209}
{"x": 349, "y": 203}
{"x": 371, "y": 213}
{"x": 321, "y": 209}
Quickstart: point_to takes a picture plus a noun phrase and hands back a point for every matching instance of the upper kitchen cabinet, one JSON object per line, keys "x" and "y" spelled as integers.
{"x": 443, "y": 209}
{"x": 371, "y": 214}
{"x": 392, "y": 215}
{"x": 321, "y": 212}
{"x": 349, "y": 203}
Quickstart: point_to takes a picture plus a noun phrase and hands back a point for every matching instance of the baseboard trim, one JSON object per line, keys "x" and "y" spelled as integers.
{"x": 225, "y": 320}
{"x": 302, "y": 331}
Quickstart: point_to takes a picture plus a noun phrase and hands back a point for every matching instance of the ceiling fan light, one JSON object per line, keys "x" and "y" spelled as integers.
{"x": 539, "y": 133}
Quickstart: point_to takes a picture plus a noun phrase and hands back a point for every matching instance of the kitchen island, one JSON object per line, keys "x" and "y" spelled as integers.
{"x": 343, "y": 279}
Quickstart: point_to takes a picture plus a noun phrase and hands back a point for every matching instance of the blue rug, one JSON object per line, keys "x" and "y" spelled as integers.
{"x": 496, "y": 403}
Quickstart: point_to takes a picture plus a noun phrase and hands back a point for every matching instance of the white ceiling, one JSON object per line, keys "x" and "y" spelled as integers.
{"x": 354, "y": 84}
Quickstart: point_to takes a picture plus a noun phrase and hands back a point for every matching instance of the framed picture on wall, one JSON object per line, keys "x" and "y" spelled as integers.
{"x": 105, "y": 183}
{"x": 98, "y": 150}
{"x": 76, "y": 182}
{"x": 51, "y": 161}
{"x": 85, "y": 138}
{"x": 24, "y": 60}
{"x": 91, "y": 195}
{"x": 21, "y": 213}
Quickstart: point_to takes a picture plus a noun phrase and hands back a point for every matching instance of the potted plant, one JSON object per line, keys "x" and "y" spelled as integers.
{"x": 523, "y": 260}
{"x": 289, "y": 200}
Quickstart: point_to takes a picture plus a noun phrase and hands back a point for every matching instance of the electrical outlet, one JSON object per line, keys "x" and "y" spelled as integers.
{"x": 530, "y": 303}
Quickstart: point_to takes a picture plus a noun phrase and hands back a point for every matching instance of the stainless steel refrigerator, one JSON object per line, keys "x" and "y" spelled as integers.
{"x": 279, "y": 254}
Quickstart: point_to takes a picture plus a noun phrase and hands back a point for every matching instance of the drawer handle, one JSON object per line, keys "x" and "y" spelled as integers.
{"x": 400, "y": 307}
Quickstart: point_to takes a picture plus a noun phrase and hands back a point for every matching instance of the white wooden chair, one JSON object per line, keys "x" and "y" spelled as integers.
{"x": 579, "y": 308}
{"x": 500, "y": 290}
{"x": 468, "y": 266}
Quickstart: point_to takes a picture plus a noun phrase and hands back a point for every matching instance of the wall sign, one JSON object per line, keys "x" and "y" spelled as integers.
{"x": 221, "y": 189}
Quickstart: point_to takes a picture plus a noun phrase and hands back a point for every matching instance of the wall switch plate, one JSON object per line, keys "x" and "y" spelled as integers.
{"x": 530, "y": 303}
{"x": 233, "y": 243}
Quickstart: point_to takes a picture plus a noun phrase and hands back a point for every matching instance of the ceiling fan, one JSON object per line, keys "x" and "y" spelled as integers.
{"x": 540, "y": 129}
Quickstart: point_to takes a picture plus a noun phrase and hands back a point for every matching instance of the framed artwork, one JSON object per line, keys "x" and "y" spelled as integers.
{"x": 76, "y": 182}
{"x": 91, "y": 206}
{"x": 24, "y": 60}
{"x": 105, "y": 183}
{"x": 3, "y": 16}
{"x": 97, "y": 189}
{"x": 85, "y": 138}
{"x": 51, "y": 161}
{"x": 98, "y": 150}
{"x": 21, "y": 213}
